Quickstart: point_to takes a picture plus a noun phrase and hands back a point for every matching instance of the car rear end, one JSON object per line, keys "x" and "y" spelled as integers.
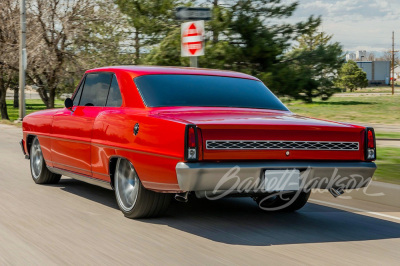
{"x": 240, "y": 160}
{"x": 240, "y": 139}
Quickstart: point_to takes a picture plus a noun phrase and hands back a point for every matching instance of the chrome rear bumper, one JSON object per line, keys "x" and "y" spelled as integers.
{"x": 212, "y": 176}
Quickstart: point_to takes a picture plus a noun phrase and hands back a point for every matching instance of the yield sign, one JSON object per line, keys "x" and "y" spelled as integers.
{"x": 192, "y": 43}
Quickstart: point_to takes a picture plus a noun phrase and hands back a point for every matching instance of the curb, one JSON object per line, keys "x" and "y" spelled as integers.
{"x": 390, "y": 193}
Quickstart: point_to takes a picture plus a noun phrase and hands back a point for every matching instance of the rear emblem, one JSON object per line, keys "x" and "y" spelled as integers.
{"x": 287, "y": 153}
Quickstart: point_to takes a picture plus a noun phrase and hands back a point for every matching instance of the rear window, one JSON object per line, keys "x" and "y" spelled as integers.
{"x": 207, "y": 91}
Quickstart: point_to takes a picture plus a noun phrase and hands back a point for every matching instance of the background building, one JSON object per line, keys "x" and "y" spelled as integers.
{"x": 378, "y": 72}
{"x": 361, "y": 55}
{"x": 351, "y": 56}
{"x": 397, "y": 72}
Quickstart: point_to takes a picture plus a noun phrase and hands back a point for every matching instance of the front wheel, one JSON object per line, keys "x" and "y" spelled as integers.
{"x": 133, "y": 199}
{"x": 40, "y": 173}
{"x": 283, "y": 201}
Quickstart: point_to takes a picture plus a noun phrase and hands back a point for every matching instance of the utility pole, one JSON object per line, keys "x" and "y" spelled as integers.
{"x": 22, "y": 60}
{"x": 393, "y": 63}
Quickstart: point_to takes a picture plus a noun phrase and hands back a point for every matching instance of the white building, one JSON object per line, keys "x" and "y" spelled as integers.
{"x": 396, "y": 72}
{"x": 378, "y": 72}
{"x": 351, "y": 56}
{"x": 361, "y": 55}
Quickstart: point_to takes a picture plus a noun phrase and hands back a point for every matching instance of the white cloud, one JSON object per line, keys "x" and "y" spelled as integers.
{"x": 354, "y": 23}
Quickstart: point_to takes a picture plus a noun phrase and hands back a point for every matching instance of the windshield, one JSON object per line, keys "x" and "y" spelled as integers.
{"x": 206, "y": 91}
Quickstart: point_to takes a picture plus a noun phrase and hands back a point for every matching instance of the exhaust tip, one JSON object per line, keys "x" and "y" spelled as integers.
{"x": 182, "y": 197}
{"x": 336, "y": 192}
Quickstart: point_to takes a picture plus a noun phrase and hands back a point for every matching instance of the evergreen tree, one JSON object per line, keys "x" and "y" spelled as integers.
{"x": 352, "y": 77}
{"x": 151, "y": 21}
{"x": 314, "y": 64}
{"x": 251, "y": 36}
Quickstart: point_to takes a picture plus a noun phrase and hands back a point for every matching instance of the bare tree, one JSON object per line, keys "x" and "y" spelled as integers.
{"x": 68, "y": 33}
{"x": 9, "y": 15}
{"x": 55, "y": 24}
{"x": 370, "y": 56}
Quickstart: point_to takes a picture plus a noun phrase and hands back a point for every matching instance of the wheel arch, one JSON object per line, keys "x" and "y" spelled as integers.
{"x": 112, "y": 166}
{"x": 29, "y": 141}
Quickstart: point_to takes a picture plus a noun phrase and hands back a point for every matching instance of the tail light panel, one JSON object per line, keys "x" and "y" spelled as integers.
{"x": 191, "y": 143}
{"x": 370, "y": 144}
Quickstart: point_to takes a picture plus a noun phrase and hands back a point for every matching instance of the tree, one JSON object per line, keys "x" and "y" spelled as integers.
{"x": 103, "y": 41}
{"x": 352, "y": 77}
{"x": 9, "y": 14}
{"x": 70, "y": 35}
{"x": 314, "y": 64}
{"x": 56, "y": 24}
{"x": 151, "y": 20}
{"x": 253, "y": 37}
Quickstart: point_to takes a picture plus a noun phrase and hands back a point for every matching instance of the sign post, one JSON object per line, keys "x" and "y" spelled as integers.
{"x": 192, "y": 40}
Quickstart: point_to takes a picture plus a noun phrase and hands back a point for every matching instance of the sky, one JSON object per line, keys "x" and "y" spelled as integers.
{"x": 357, "y": 25}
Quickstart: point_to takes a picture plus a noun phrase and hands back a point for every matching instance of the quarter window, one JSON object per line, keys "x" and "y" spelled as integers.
{"x": 78, "y": 93}
{"x": 114, "y": 96}
{"x": 95, "y": 89}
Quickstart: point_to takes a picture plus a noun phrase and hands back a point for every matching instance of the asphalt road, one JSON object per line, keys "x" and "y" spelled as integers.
{"x": 76, "y": 223}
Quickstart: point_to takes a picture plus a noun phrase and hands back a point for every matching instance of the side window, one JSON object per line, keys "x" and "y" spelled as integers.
{"x": 95, "y": 90}
{"x": 114, "y": 96}
{"x": 78, "y": 94}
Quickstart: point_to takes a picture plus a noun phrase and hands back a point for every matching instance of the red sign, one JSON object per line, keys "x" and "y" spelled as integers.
{"x": 192, "y": 38}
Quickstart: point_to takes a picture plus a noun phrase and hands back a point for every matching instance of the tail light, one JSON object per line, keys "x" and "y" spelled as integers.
{"x": 191, "y": 144}
{"x": 370, "y": 144}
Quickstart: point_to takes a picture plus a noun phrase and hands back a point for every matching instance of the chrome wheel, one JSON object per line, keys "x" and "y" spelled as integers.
{"x": 126, "y": 183}
{"x": 36, "y": 159}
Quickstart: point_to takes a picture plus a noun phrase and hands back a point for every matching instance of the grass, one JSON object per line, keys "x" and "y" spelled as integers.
{"x": 388, "y": 135}
{"x": 31, "y": 106}
{"x": 388, "y": 163}
{"x": 354, "y": 109}
{"x": 378, "y": 89}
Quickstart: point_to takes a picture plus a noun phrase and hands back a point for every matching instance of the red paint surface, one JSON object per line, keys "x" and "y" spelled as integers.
{"x": 85, "y": 140}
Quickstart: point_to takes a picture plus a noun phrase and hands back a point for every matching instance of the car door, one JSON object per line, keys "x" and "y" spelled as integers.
{"x": 72, "y": 129}
{"x": 106, "y": 132}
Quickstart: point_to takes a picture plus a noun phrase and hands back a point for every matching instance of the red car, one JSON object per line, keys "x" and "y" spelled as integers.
{"x": 151, "y": 133}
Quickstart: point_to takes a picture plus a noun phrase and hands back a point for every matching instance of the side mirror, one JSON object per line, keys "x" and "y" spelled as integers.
{"x": 68, "y": 103}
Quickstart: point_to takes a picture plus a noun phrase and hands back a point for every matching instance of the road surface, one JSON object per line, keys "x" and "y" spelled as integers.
{"x": 77, "y": 223}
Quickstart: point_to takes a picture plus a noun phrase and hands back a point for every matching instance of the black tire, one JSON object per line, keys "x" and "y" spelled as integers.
{"x": 283, "y": 202}
{"x": 40, "y": 173}
{"x": 133, "y": 199}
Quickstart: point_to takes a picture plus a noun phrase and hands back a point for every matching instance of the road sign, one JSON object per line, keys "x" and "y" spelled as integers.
{"x": 192, "y": 34}
{"x": 193, "y": 13}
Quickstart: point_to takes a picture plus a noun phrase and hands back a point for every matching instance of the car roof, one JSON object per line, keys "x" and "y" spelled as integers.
{"x": 153, "y": 70}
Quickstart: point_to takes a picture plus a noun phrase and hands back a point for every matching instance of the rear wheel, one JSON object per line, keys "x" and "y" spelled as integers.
{"x": 133, "y": 199}
{"x": 39, "y": 171}
{"x": 284, "y": 201}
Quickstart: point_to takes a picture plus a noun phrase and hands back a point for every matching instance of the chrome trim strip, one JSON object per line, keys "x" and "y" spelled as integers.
{"x": 276, "y": 144}
{"x": 87, "y": 179}
{"x": 205, "y": 176}
{"x": 66, "y": 165}
{"x": 98, "y": 144}
{"x": 65, "y": 139}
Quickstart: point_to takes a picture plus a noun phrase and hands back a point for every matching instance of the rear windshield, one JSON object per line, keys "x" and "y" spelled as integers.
{"x": 208, "y": 91}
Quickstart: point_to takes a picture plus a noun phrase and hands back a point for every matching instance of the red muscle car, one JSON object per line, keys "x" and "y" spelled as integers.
{"x": 151, "y": 133}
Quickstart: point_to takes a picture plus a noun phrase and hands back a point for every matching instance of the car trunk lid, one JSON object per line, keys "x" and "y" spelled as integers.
{"x": 254, "y": 134}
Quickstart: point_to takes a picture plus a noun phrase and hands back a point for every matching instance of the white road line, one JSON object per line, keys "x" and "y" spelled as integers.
{"x": 355, "y": 209}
